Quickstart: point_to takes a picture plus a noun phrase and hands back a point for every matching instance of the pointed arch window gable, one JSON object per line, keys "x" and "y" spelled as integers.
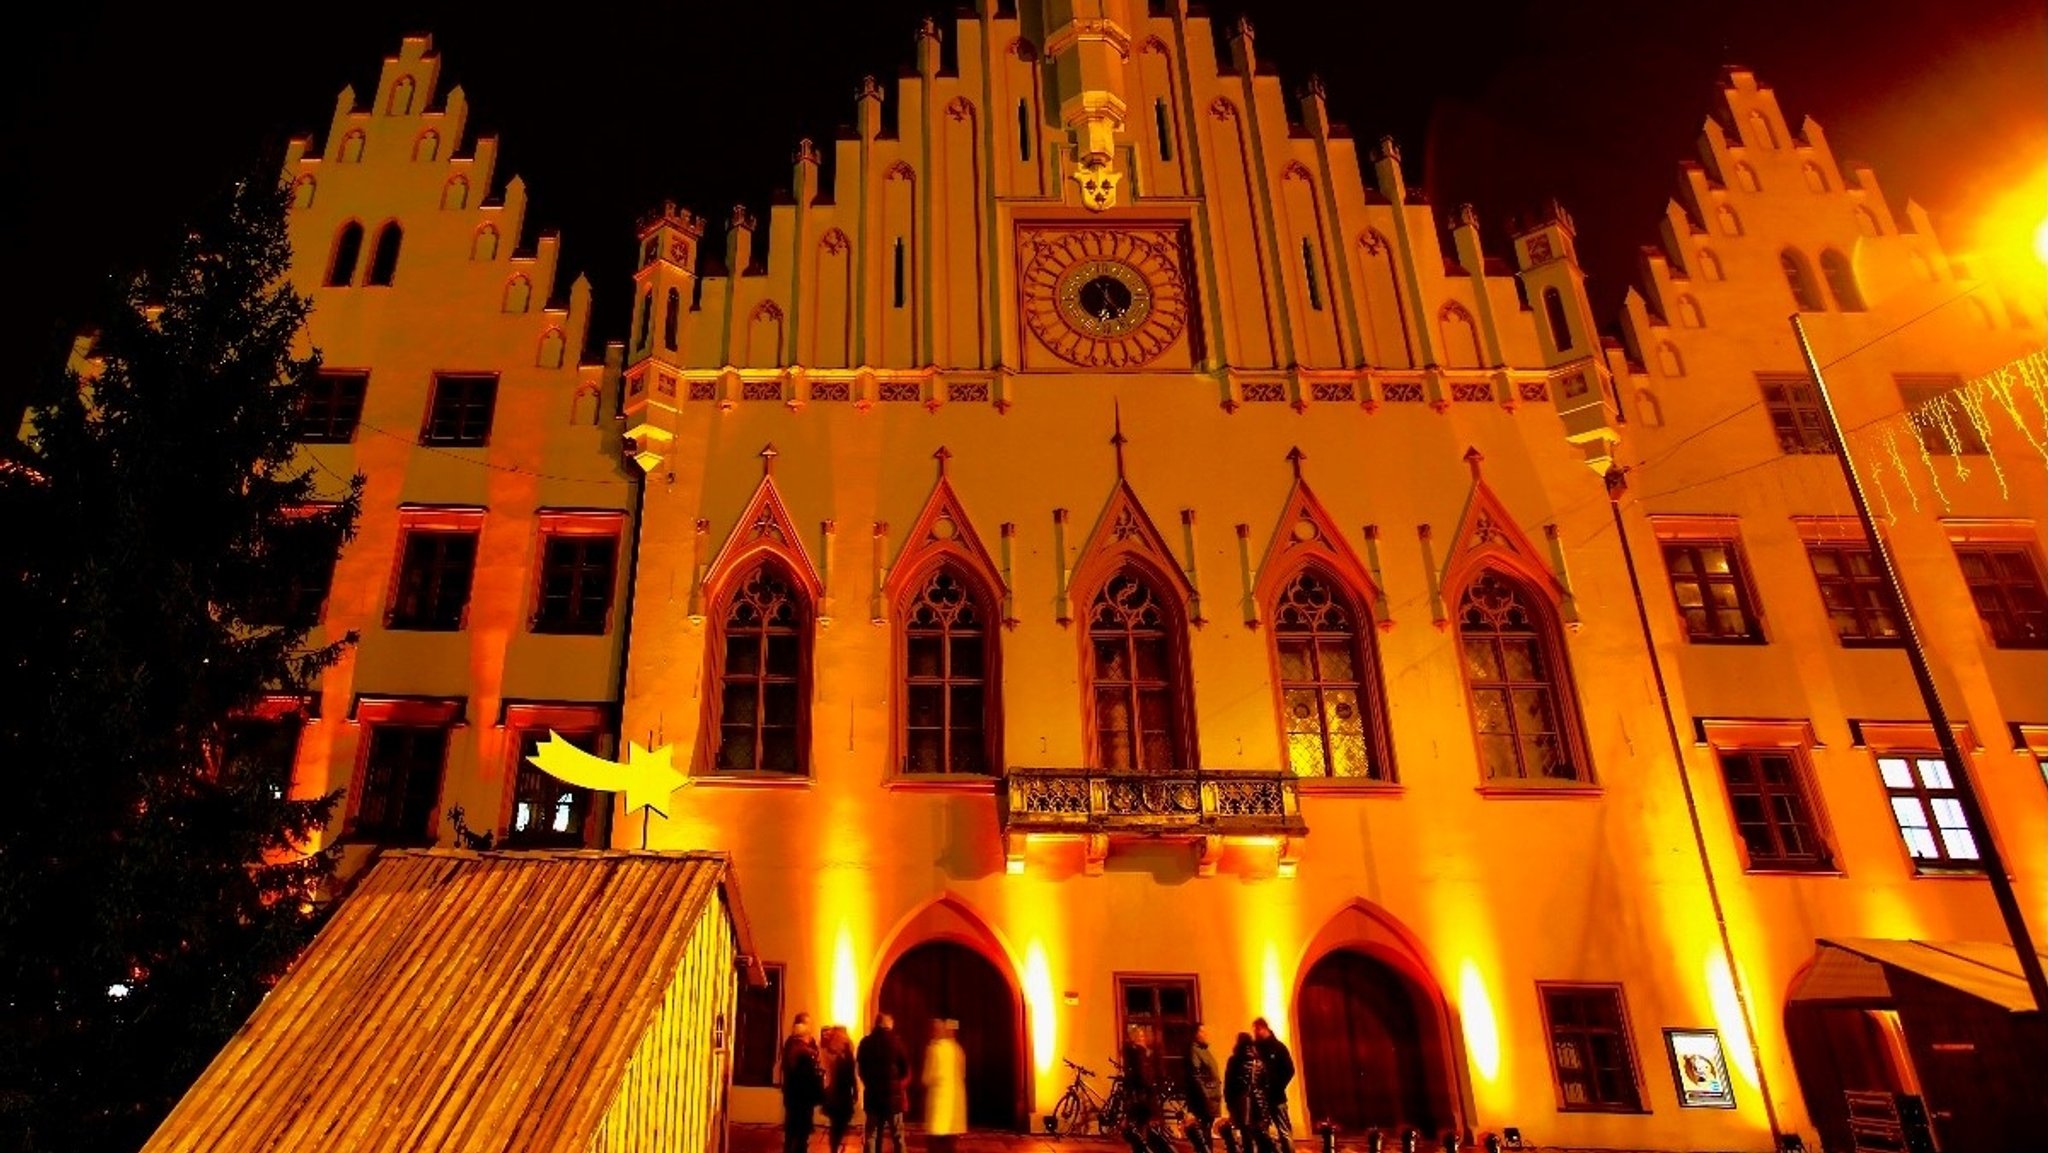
{"x": 763, "y": 706}
{"x": 1135, "y": 641}
{"x": 948, "y": 686}
{"x": 1513, "y": 658}
{"x": 1328, "y": 703}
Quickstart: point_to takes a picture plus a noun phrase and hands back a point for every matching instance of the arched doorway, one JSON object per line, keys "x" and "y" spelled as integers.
{"x": 1371, "y": 1052}
{"x": 950, "y": 980}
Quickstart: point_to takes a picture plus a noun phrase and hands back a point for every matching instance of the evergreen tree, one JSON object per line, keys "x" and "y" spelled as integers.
{"x": 154, "y": 878}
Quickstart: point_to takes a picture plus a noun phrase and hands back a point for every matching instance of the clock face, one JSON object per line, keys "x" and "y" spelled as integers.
{"x": 1103, "y": 297}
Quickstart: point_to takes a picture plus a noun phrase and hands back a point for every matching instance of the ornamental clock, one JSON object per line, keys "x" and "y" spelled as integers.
{"x": 1095, "y": 297}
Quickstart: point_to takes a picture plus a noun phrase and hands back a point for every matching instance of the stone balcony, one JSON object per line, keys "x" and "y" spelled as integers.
{"x": 1207, "y": 808}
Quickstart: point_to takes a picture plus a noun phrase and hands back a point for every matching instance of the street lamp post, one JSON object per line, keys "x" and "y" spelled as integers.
{"x": 1966, "y": 787}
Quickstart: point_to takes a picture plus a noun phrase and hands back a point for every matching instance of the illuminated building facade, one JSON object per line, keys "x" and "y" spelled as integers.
{"x": 1113, "y": 554}
{"x": 488, "y": 573}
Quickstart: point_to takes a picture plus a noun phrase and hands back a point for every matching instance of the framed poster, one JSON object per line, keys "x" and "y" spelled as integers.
{"x": 1699, "y": 1069}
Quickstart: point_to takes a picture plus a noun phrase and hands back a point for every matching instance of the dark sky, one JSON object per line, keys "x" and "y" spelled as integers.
{"x": 119, "y": 118}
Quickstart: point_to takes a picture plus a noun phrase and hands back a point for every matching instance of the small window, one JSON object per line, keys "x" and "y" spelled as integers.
{"x": 758, "y": 1038}
{"x": 1929, "y": 811}
{"x": 576, "y": 578}
{"x": 946, "y": 675}
{"x": 1308, "y": 272}
{"x": 1841, "y": 280}
{"x": 900, "y": 272}
{"x": 1713, "y": 592}
{"x": 1796, "y": 414}
{"x": 761, "y": 706}
{"x": 1024, "y": 131}
{"x": 1799, "y": 278}
{"x": 401, "y": 784}
{"x": 671, "y": 319}
{"x": 434, "y": 580}
{"x": 329, "y": 407}
{"x": 1169, "y": 1007}
{"x": 1560, "y": 322}
{"x": 460, "y": 416}
{"x": 548, "y": 813}
{"x": 1590, "y": 1051}
{"x": 1767, "y": 792}
{"x": 1928, "y": 397}
{"x": 301, "y": 592}
{"x": 263, "y": 748}
{"x": 384, "y": 256}
{"x": 2006, "y": 587}
{"x": 348, "y": 248}
{"x": 1853, "y": 591}
{"x": 1162, "y": 123}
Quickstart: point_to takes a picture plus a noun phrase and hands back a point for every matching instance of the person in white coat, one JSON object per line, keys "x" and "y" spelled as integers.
{"x": 945, "y": 1087}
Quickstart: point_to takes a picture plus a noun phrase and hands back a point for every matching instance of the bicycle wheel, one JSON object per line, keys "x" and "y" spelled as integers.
{"x": 1067, "y": 1115}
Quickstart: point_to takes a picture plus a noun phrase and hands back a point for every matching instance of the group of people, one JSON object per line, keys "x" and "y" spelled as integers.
{"x": 829, "y": 1074}
{"x": 1246, "y": 1091}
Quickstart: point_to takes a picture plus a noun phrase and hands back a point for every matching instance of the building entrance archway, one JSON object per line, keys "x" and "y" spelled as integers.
{"x": 1371, "y": 1053}
{"x": 946, "y": 979}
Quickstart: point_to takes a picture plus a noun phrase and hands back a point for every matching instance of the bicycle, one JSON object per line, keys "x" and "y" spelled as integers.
{"x": 1080, "y": 1106}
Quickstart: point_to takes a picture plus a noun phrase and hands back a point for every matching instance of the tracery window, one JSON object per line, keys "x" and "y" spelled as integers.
{"x": 1134, "y": 637}
{"x": 1325, "y": 672}
{"x": 1515, "y": 673}
{"x": 946, "y": 682}
{"x": 761, "y": 701}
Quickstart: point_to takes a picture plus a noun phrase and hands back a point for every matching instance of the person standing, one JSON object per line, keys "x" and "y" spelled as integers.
{"x": 1141, "y": 1105}
{"x": 945, "y": 1087}
{"x": 842, "y": 1088}
{"x": 1205, "y": 1091}
{"x": 885, "y": 1086}
{"x": 1279, "y": 1067}
{"x": 802, "y": 1085}
{"x": 1244, "y": 1094}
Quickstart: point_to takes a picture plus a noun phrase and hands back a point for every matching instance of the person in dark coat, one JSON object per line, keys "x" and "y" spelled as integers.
{"x": 1244, "y": 1095}
{"x": 1141, "y": 1104}
{"x": 1205, "y": 1090}
{"x": 803, "y": 1085}
{"x": 842, "y": 1089}
{"x": 1279, "y": 1066}
{"x": 885, "y": 1086}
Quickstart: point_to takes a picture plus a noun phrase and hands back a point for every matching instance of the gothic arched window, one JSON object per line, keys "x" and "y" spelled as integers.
{"x": 348, "y": 248}
{"x": 384, "y": 254}
{"x": 1522, "y": 712}
{"x": 1135, "y": 642}
{"x": 1328, "y": 686}
{"x": 763, "y": 706}
{"x": 671, "y": 317}
{"x": 1841, "y": 281}
{"x": 948, "y": 690}
{"x": 646, "y": 325}
{"x": 1560, "y": 322}
{"x": 1799, "y": 278}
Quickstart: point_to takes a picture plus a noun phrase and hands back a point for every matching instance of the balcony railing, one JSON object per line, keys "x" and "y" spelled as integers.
{"x": 1211, "y": 803}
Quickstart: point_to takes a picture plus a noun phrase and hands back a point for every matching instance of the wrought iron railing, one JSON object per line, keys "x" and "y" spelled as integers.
{"x": 1226, "y": 802}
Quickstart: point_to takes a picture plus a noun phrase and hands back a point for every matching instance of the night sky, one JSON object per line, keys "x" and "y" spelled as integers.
{"x": 119, "y": 121}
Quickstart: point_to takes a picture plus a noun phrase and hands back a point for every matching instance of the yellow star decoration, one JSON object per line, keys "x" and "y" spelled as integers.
{"x": 646, "y": 778}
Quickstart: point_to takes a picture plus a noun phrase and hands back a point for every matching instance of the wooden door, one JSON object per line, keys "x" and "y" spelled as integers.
{"x": 1169, "y": 1007}
{"x": 1364, "y": 1057}
{"x": 1838, "y": 1048}
{"x": 942, "y": 979}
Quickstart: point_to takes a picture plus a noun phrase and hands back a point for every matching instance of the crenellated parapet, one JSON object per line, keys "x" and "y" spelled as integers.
{"x": 390, "y": 200}
{"x": 1264, "y": 257}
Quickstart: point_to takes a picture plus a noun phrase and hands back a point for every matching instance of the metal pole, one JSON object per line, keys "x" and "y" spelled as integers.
{"x": 1966, "y": 788}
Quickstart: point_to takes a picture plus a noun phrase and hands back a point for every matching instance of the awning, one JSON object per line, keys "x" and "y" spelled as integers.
{"x": 1986, "y": 970}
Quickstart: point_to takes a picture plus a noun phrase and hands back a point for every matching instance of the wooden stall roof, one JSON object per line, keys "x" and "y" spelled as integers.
{"x": 1987, "y": 970}
{"x": 460, "y": 1000}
